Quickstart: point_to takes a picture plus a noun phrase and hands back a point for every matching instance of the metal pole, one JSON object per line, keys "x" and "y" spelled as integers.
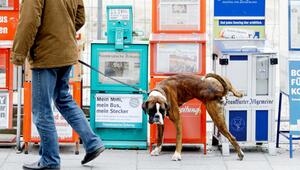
{"x": 99, "y": 30}
{"x": 278, "y": 120}
{"x": 19, "y": 89}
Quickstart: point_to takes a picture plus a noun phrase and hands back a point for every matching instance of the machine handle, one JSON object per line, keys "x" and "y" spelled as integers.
{"x": 274, "y": 61}
{"x": 249, "y": 49}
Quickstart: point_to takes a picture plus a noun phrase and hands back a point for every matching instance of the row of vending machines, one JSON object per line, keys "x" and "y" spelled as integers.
{"x": 177, "y": 45}
{"x": 116, "y": 113}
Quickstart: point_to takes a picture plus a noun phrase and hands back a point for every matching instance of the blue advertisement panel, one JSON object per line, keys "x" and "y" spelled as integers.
{"x": 294, "y": 96}
{"x": 247, "y": 8}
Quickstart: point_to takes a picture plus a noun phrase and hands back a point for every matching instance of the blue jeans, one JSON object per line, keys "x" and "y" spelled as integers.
{"x": 53, "y": 84}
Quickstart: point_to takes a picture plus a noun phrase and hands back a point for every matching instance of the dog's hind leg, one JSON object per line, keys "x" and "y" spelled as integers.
{"x": 215, "y": 110}
{"x": 160, "y": 133}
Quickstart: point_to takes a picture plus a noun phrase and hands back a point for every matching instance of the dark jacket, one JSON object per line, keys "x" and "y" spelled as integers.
{"x": 46, "y": 33}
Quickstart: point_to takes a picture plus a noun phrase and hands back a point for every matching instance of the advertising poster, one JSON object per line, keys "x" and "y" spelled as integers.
{"x": 124, "y": 66}
{"x": 294, "y": 23}
{"x": 239, "y": 28}
{"x": 178, "y": 58}
{"x": 64, "y": 130}
{"x": 119, "y": 110}
{"x": 8, "y": 24}
{"x": 4, "y": 107}
{"x": 294, "y": 96}
{"x": 179, "y": 15}
{"x": 233, "y": 8}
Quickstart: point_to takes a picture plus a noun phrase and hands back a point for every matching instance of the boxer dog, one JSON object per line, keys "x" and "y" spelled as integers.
{"x": 169, "y": 94}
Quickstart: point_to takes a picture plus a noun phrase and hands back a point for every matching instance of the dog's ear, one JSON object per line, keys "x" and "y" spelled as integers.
{"x": 167, "y": 106}
{"x": 145, "y": 106}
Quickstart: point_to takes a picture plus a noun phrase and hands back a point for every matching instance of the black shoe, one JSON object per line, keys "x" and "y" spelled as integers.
{"x": 90, "y": 156}
{"x": 37, "y": 165}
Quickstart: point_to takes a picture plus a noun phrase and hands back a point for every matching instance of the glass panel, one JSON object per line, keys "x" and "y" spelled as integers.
{"x": 6, "y": 4}
{"x": 262, "y": 75}
{"x": 295, "y": 24}
{"x": 124, "y": 66}
{"x": 237, "y": 72}
{"x": 3, "y": 56}
{"x": 179, "y": 15}
{"x": 178, "y": 58}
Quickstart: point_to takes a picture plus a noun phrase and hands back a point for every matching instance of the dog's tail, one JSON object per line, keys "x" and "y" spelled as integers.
{"x": 221, "y": 80}
{"x": 226, "y": 84}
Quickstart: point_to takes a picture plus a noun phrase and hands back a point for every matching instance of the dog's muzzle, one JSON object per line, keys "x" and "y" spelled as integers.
{"x": 156, "y": 119}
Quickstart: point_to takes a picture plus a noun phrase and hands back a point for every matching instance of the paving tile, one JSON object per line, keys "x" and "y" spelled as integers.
{"x": 206, "y": 167}
{"x": 247, "y": 165}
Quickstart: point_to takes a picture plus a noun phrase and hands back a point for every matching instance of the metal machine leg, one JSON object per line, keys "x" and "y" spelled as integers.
{"x": 278, "y": 120}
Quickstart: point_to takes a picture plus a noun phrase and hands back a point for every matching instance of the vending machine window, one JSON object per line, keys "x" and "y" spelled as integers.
{"x": 262, "y": 75}
{"x": 178, "y": 58}
{"x": 3, "y": 57}
{"x": 124, "y": 66}
{"x": 183, "y": 15}
{"x": 6, "y": 5}
{"x": 239, "y": 67}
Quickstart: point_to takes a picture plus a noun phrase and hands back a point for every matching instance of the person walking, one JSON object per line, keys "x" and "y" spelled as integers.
{"x": 46, "y": 36}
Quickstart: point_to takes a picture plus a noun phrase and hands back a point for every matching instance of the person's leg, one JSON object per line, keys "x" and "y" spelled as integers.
{"x": 72, "y": 113}
{"x": 43, "y": 84}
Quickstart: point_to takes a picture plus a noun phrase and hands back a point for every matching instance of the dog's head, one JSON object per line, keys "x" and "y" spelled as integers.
{"x": 156, "y": 107}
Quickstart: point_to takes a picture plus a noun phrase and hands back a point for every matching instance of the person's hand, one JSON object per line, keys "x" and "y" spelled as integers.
{"x": 17, "y": 59}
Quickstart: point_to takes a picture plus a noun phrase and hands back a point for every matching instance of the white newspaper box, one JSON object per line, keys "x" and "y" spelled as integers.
{"x": 251, "y": 67}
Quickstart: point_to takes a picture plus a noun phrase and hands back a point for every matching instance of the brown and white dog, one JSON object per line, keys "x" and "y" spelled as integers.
{"x": 169, "y": 94}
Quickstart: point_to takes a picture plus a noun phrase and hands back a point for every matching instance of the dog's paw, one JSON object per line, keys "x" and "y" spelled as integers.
{"x": 176, "y": 156}
{"x": 156, "y": 151}
{"x": 241, "y": 155}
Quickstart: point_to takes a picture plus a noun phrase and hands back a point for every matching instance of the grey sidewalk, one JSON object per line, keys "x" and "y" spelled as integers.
{"x": 255, "y": 159}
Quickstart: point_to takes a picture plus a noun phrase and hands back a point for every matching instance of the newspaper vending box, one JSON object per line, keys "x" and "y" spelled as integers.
{"x": 251, "y": 67}
{"x": 116, "y": 108}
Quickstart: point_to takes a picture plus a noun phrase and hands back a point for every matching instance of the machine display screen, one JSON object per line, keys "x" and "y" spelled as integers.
{"x": 119, "y": 14}
{"x": 124, "y": 66}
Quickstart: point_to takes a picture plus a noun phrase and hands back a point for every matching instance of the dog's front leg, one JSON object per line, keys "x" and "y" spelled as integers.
{"x": 160, "y": 132}
{"x": 177, "y": 155}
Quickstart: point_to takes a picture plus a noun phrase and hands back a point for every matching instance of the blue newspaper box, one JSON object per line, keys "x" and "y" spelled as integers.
{"x": 116, "y": 112}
